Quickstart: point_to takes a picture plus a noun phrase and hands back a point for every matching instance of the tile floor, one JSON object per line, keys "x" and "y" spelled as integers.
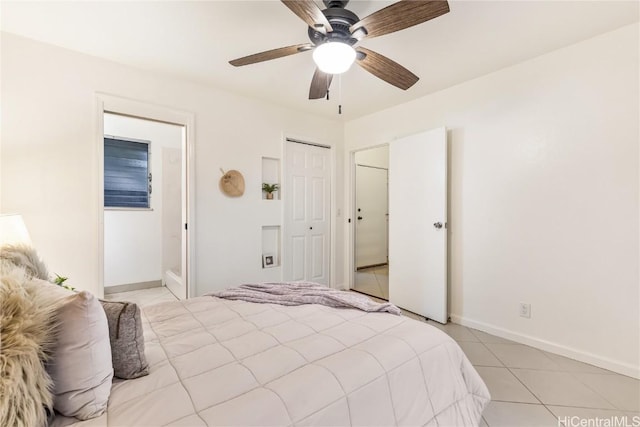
{"x": 373, "y": 281}
{"x": 143, "y": 297}
{"x": 529, "y": 387}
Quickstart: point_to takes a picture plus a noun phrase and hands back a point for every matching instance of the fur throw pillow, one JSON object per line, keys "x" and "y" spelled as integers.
{"x": 25, "y": 334}
{"x": 25, "y": 256}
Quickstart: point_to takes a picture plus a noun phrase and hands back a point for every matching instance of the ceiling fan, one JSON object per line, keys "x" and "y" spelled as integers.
{"x": 333, "y": 32}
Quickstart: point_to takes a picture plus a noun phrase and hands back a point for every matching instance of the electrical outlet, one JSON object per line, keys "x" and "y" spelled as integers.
{"x": 525, "y": 310}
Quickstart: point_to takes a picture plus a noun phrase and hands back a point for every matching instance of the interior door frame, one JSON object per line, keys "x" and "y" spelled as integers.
{"x": 351, "y": 209}
{"x": 332, "y": 199}
{"x": 106, "y": 103}
{"x": 357, "y": 213}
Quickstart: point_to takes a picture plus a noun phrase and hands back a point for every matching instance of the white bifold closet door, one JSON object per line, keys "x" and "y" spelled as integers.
{"x": 307, "y": 204}
{"x": 417, "y": 224}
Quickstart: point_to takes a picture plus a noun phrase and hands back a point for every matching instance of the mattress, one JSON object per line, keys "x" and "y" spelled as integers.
{"x": 216, "y": 362}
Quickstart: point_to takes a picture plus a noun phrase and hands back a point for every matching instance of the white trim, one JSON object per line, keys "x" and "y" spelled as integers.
{"x": 127, "y": 139}
{"x": 118, "y": 105}
{"x": 351, "y": 211}
{"x": 582, "y": 356}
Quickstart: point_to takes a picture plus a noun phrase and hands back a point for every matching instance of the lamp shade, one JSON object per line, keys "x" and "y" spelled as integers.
{"x": 334, "y": 57}
{"x": 13, "y": 231}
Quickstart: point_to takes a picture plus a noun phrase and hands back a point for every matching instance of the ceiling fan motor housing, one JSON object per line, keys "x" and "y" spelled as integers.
{"x": 341, "y": 20}
{"x": 335, "y": 3}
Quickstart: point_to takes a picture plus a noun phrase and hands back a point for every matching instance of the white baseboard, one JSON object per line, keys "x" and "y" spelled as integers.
{"x": 582, "y": 356}
{"x": 114, "y": 289}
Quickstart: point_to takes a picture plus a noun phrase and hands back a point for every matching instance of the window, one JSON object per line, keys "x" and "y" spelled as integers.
{"x": 126, "y": 173}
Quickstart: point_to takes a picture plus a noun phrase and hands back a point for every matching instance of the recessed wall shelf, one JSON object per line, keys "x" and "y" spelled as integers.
{"x": 270, "y": 246}
{"x": 271, "y": 175}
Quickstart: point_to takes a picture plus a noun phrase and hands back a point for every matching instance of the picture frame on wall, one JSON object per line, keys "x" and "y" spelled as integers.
{"x": 268, "y": 260}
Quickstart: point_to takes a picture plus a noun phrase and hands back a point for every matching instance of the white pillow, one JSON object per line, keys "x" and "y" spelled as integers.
{"x": 80, "y": 364}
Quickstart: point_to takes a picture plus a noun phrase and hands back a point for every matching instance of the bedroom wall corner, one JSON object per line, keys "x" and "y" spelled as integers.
{"x": 544, "y": 196}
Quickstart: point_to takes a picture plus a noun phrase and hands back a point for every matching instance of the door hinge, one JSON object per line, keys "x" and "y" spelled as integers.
{"x": 185, "y": 226}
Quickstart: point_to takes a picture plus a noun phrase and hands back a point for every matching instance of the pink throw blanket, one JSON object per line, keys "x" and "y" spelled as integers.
{"x": 298, "y": 293}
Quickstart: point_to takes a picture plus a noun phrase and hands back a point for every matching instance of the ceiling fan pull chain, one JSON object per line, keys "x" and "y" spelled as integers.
{"x": 328, "y": 81}
{"x": 340, "y": 94}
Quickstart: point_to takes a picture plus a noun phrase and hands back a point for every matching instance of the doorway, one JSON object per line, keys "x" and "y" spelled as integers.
{"x": 117, "y": 118}
{"x": 415, "y": 275}
{"x": 143, "y": 162}
{"x": 307, "y": 206}
{"x": 371, "y": 254}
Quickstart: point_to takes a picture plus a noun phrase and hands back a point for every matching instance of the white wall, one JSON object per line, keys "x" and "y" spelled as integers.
{"x": 49, "y": 159}
{"x": 544, "y": 190}
{"x": 133, "y": 241}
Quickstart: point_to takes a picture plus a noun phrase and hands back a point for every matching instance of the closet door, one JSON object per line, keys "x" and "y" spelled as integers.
{"x": 306, "y": 197}
{"x": 417, "y": 224}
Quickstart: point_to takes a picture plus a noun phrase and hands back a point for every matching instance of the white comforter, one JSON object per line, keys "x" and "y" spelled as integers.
{"x": 218, "y": 362}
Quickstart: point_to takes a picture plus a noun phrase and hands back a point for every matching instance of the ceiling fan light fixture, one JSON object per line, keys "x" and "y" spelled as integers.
{"x": 334, "y": 57}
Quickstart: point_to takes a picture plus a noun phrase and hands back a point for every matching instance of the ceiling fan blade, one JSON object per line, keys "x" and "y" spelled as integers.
{"x": 320, "y": 84}
{"x": 400, "y": 15}
{"x": 386, "y": 69}
{"x": 310, "y": 13}
{"x": 271, "y": 54}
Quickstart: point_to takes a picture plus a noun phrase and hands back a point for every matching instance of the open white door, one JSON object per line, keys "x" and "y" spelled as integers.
{"x": 417, "y": 224}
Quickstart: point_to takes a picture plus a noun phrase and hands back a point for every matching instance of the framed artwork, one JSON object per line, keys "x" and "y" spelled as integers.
{"x": 268, "y": 260}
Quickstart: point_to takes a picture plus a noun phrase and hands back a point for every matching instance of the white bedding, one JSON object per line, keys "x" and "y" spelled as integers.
{"x": 217, "y": 362}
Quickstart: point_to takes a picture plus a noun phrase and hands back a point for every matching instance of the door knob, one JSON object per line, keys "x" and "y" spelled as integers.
{"x": 359, "y": 217}
{"x": 438, "y": 225}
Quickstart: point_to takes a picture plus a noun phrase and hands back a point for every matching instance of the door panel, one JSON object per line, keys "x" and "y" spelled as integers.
{"x": 306, "y": 196}
{"x": 318, "y": 201}
{"x": 298, "y": 252}
{"x": 298, "y": 198}
{"x": 319, "y": 161}
{"x": 371, "y": 216}
{"x": 317, "y": 257}
{"x": 417, "y": 201}
{"x": 298, "y": 159}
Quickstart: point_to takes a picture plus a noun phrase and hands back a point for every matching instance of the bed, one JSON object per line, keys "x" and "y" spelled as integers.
{"x": 220, "y": 362}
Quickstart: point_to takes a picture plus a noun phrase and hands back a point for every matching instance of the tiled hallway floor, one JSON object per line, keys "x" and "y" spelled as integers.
{"x": 143, "y": 297}
{"x": 373, "y": 281}
{"x": 529, "y": 387}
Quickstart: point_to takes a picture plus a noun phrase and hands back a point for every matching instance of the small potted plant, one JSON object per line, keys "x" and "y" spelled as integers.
{"x": 59, "y": 280}
{"x": 269, "y": 189}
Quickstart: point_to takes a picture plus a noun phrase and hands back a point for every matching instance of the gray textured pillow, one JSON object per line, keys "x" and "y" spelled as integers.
{"x": 127, "y": 339}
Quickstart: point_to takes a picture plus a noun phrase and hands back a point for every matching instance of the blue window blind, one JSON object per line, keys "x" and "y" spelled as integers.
{"x": 126, "y": 174}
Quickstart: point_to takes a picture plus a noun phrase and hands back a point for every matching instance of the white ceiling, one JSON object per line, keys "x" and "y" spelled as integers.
{"x": 195, "y": 40}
